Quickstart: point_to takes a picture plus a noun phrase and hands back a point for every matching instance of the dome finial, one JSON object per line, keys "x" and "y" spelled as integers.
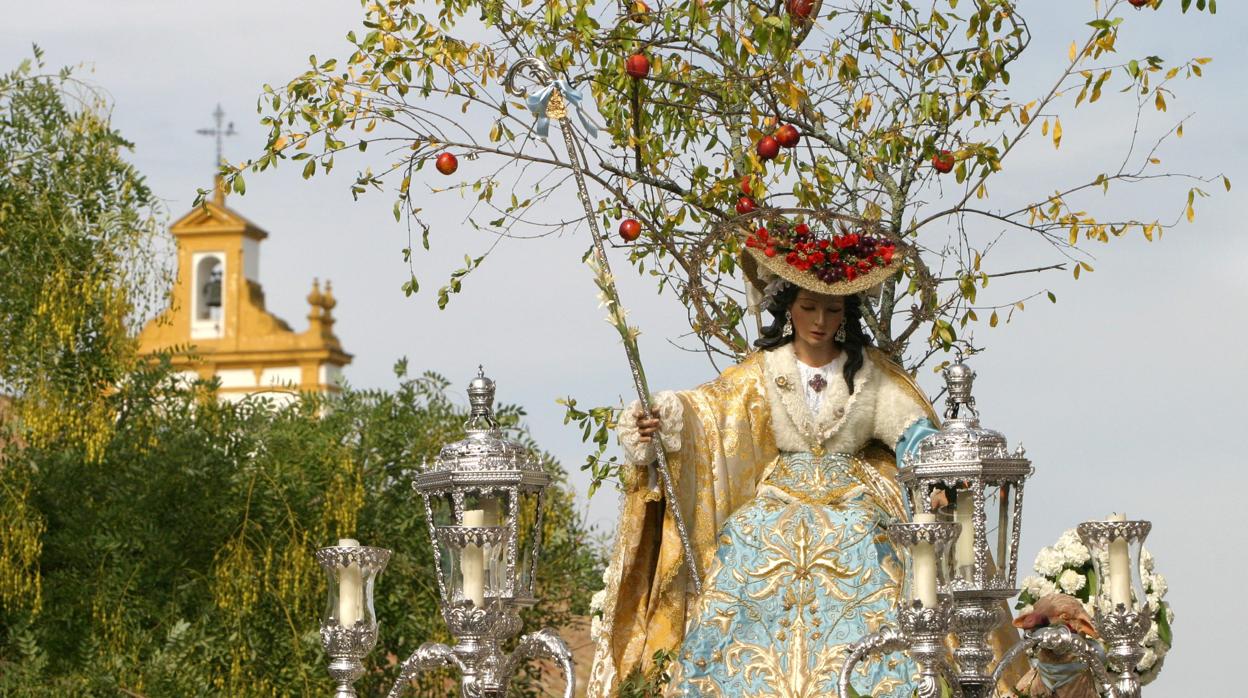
{"x": 959, "y": 378}
{"x": 481, "y": 397}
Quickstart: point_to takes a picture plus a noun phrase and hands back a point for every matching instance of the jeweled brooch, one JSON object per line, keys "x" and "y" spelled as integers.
{"x": 782, "y": 382}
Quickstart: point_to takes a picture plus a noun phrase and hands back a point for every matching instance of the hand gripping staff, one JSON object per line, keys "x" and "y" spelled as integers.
{"x": 553, "y": 100}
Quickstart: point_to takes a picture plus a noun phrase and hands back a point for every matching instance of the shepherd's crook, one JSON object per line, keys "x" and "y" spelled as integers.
{"x": 553, "y": 101}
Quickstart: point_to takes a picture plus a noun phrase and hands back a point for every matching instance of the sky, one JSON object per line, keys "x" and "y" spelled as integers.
{"x": 1128, "y": 393}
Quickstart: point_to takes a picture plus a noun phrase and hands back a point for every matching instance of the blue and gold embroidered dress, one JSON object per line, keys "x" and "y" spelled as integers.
{"x": 785, "y": 506}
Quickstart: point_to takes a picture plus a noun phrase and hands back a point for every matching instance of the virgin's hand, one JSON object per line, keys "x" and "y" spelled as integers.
{"x": 647, "y": 427}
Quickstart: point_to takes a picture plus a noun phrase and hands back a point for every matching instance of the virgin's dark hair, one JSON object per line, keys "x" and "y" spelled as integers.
{"x": 855, "y": 337}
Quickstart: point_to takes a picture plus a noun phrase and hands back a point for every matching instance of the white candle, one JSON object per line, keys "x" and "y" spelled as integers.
{"x": 350, "y": 589}
{"x": 965, "y": 515}
{"x": 1119, "y": 568}
{"x": 924, "y": 556}
{"x": 472, "y": 562}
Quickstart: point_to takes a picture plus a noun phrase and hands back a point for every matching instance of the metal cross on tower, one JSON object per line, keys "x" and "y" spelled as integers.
{"x": 219, "y": 116}
{"x": 220, "y": 131}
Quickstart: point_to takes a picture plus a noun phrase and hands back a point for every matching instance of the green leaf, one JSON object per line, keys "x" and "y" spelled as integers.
{"x": 1163, "y": 624}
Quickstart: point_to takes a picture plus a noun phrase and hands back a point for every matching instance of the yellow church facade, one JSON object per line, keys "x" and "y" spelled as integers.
{"x": 216, "y": 325}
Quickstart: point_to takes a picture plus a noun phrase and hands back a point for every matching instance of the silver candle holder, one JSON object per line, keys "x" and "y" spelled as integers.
{"x": 349, "y": 625}
{"x": 483, "y": 498}
{"x": 923, "y": 623}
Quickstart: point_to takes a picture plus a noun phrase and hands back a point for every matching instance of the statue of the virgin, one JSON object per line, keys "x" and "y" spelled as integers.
{"x": 784, "y": 467}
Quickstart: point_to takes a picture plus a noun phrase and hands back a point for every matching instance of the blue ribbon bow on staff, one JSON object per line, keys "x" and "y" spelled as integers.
{"x": 538, "y": 101}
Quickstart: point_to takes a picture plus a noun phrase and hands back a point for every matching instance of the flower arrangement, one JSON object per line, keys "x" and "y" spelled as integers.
{"x": 841, "y": 256}
{"x": 1066, "y": 567}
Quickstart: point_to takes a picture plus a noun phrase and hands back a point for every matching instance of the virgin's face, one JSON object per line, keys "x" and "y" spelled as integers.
{"x": 816, "y": 318}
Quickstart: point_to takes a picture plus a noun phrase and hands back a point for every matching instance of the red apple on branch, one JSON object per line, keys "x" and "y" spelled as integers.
{"x": 800, "y": 9}
{"x": 637, "y": 66}
{"x": 745, "y": 205}
{"x": 1140, "y": 3}
{"x": 943, "y": 161}
{"x": 788, "y": 135}
{"x": 630, "y": 229}
{"x": 747, "y": 186}
{"x": 768, "y": 148}
{"x": 447, "y": 163}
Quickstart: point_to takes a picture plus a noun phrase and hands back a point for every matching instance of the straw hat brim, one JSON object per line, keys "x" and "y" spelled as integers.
{"x": 759, "y": 269}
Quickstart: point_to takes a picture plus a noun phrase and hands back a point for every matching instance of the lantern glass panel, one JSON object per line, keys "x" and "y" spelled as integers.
{"x": 527, "y": 527}
{"x": 960, "y": 557}
{"x": 999, "y": 520}
{"x": 442, "y": 508}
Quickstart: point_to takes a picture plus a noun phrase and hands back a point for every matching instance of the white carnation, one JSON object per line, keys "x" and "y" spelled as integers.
{"x": 1049, "y": 562}
{"x": 1152, "y": 636}
{"x": 1071, "y": 581}
{"x": 1158, "y": 584}
{"x": 1039, "y": 587}
{"x": 1074, "y": 553}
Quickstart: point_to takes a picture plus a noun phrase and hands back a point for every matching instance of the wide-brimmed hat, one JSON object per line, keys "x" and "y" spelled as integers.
{"x": 819, "y": 251}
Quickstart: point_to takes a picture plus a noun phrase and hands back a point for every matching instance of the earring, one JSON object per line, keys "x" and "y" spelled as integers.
{"x": 840, "y": 333}
{"x": 788, "y": 325}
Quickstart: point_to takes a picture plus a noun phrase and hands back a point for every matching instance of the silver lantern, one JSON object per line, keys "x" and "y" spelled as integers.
{"x": 483, "y": 499}
{"x": 966, "y": 474}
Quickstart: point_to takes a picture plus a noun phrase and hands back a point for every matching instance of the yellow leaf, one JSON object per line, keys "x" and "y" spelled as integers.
{"x": 1226, "y": 182}
{"x": 749, "y": 46}
{"x": 1179, "y": 132}
{"x": 1074, "y": 234}
{"x": 1057, "y": 133}
{"x": 992, "y": 321}
{"x": 1191, "y": 213}
{"x": 1160, "y": 102}
{"x": 1203, "y": 61}
{"x": 1073, "y": 51}
{"x": 1044, "y": 128}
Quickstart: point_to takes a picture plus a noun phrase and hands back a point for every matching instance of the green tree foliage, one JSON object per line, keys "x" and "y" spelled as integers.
{"x": 77, "y": 236}
{"x": 181, "y": 562}
{"x": 77, "y": 233}
{"x": 878, "y": 88}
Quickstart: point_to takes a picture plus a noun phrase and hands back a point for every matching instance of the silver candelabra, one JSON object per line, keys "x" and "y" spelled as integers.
{"x": 965, "y": 489}
{"x": 483, "y": 497}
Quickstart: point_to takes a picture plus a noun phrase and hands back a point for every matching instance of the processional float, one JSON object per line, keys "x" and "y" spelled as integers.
{"x": 483, "y": 499}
